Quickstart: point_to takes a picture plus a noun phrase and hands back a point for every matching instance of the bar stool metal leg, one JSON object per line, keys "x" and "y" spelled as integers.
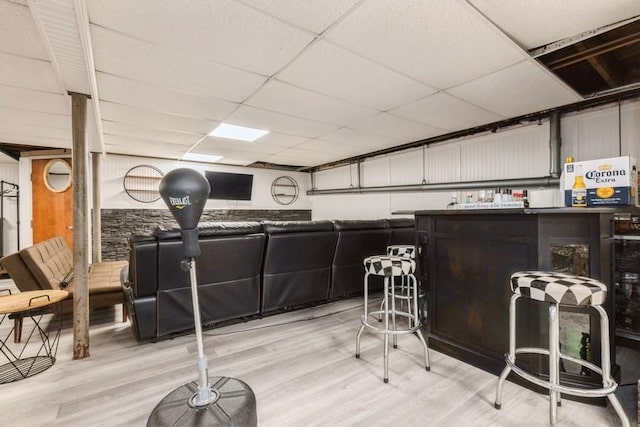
{"x": 386, "y": 328}
{"x": 606, "y": 365}
{"x": 365, "y": 315}
{"x": 392, "y": 288}
{"x": 412, "y": 283}
{"x": 512, "y": 350}
{"x": 553, "y": 363}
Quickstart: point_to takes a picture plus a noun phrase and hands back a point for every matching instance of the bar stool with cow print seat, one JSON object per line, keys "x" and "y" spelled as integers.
{"x": 556, "y": 289}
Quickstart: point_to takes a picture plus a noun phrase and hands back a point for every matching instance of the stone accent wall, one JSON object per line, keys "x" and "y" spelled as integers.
{"x": 119, "y": 224}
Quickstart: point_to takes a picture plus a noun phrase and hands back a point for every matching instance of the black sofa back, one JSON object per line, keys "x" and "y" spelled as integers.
{"x": 297, "y": 263}
{"x": 357, "y": 240}
{"x": 251, "y": 268}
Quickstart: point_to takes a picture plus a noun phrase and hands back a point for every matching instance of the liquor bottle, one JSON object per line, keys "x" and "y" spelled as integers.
{"x": 525, "y": 198}
{"x": 579, "y": 190}
{"x": 454, "y": 200}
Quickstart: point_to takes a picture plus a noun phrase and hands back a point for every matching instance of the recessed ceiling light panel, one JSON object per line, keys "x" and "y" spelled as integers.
{"x": 238, "y": 132}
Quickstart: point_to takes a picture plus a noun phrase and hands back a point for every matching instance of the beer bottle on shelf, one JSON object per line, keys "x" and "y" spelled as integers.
{"x": 579, "y": 190}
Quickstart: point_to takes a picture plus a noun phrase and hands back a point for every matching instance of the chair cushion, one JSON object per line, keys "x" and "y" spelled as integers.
{"x": 382, "y": 265}
{"x": 406, "y": 251}
{"x": 558, "y": 288}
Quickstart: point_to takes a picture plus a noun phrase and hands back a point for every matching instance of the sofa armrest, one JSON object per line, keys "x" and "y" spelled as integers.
{"x": 19, "y": 272}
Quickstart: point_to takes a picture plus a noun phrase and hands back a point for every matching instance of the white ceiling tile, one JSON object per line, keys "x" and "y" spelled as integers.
{"x": 31, "y": 130}
{"x": 258, "y": 147}
{"x": 396, "y": 127}
{"x": 356, "y": 138}
{"x": 517, "y": 90}
{"x": 35, "y": 118}
{"x": 331, "y": 70}
{"x": 124, "y": 91}
{"x": 314, "y": 15}
{"x": 289, "y": 161}
{"x": 439, "y": 43}
{"x": 148, "y": 147}
{"x": 324, "y": 146}
{"x": 124, "y": 56}
{"x": 34, "y": 100}
{"x": 224, "y": 31}
{"x": 283, "y": 123}
{"x": 287, "y": 99}
{"x": 281, "y": 139}
{"x": 230, "y": 156}
{"x": 28, "y": 73}
{"x": 538, "y": 23}
{"x": 145, "y": 149}
{"x": 446, "y": 112}
{"x": 306, "y": 157}
{"x": 137, "y": 116}
{"x": 18, "y": 32}
{"x": 135, "y": 131}
{"x": 36, "y": 140}
{"x": 296, "y": 156}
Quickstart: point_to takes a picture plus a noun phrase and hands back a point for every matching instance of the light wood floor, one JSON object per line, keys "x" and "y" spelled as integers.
{"x": 300, "y": 365}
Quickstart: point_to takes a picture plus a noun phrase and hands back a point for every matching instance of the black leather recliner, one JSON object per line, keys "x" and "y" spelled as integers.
{"x": 357, "y": 240}
{"x": 297, "y": 263}
{"x": 158, "y": 291}
{"x": 141, "y": 285}
{"x": 228, "y": 274}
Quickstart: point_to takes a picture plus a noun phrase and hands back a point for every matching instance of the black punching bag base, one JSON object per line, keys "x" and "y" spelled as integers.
{"x": 235, "y": 406}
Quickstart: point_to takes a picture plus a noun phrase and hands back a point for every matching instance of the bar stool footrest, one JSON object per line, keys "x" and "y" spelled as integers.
{"x": 380, "y": 330}
{"x": 587, "y": 392}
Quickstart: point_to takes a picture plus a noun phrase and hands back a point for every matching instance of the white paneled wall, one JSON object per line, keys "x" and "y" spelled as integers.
{"x": 630, "y": 132}
{"x": 521, "y": 152}
{"x": 592, "y": 134}
{"x": 351, "y": 206}
{"x": 517, "y": 153}
{"x": 443, "y": 163}
{"x": 341, "y": 177}
{"x": 9, "y": 172}
{"x": 406, "y": 167}
{"x": 375, "y": 173}
{"x": 114, "y": 168}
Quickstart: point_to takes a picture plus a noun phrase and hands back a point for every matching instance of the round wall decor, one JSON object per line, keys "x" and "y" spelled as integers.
{"x": 284, "y": 190}
{"x": 141, "y": 183}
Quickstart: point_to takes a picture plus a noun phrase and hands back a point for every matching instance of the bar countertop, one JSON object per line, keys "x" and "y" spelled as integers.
{"x": 523, "y": 211}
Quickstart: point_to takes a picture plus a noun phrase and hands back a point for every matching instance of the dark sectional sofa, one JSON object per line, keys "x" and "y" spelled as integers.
{"x": 249, "y": 269}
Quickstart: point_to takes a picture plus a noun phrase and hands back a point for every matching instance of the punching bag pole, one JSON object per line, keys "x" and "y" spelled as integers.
{"x": 217, "y": 401}
{"x": 205, "y": 395}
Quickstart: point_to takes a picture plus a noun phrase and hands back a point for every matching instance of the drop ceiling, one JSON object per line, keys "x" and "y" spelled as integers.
{"x": 330, "y": 79}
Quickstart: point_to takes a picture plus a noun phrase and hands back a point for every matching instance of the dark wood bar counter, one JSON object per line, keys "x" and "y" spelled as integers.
{"x": 466, "y": 258}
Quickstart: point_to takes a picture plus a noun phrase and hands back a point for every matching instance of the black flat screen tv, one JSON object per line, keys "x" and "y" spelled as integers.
{"x": 229, "y": 186}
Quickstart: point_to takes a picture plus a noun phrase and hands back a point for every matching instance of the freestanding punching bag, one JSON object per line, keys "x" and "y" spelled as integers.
{"x": 216, "y": 401}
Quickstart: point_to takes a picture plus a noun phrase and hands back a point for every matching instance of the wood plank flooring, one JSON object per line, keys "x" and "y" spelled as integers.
{"x": 300, "y": 365}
